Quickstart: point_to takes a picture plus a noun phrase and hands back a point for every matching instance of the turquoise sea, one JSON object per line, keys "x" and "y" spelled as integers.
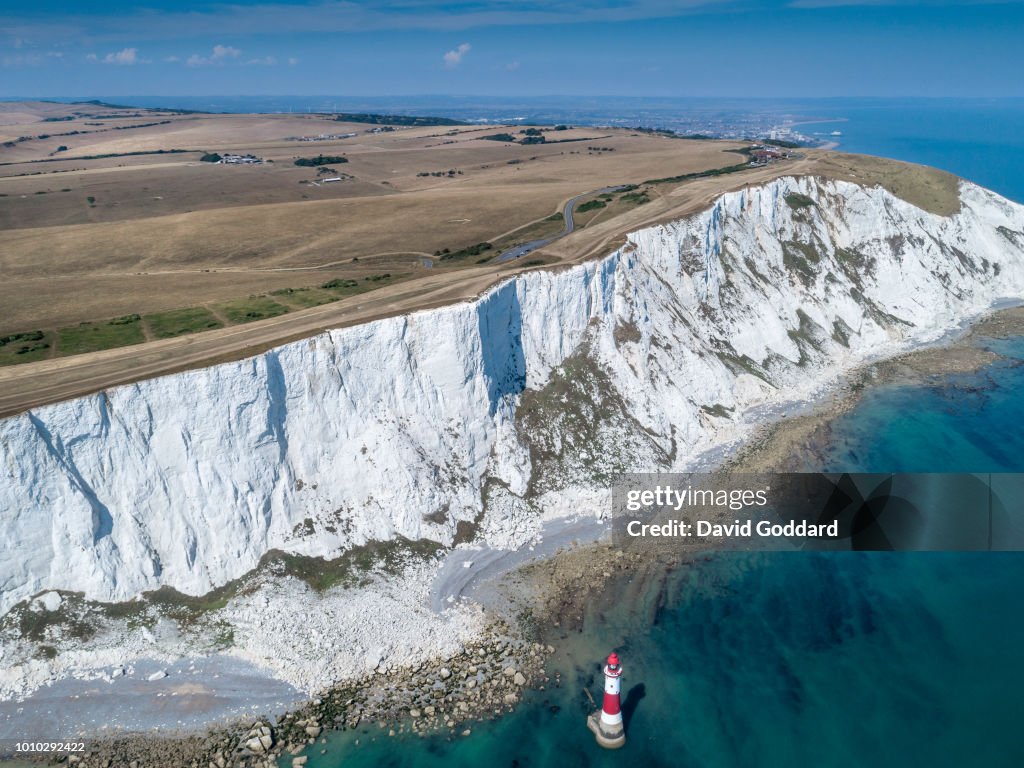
{"x": 964, "y": 423}
{"x": 777, "y": 660}
{"x": 774, "y": 660}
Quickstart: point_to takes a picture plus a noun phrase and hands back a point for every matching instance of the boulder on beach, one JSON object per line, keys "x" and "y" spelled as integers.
{"x": 51, "y": 601}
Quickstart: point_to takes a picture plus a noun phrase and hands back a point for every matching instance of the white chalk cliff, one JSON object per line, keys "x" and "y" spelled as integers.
{"x": 492, "y": 410}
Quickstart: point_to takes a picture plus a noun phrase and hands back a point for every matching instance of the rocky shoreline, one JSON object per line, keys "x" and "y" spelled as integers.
{"x": 487, "y": 678}
{"x": 796, "y": 443}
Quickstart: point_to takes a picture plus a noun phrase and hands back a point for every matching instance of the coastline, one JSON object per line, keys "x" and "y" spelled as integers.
{"x": 794, "y": 443}
{"x": 538, "y": 593}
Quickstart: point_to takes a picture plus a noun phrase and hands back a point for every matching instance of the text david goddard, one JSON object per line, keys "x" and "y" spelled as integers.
{"x": 682, "y": 529}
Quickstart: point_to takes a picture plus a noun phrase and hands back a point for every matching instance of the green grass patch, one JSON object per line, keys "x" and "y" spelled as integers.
{"x": 525, "y": 262}
{"x": 700, "y": 174}
{"x": 26, "y": 347}
{"x": 309, "y": 297}
{"x": 590, "y": 205}
{"x": 92, "y": 337}
{"x": 22, "y": 338}
{"x": 462, "y": 253}
{"x": 340, "y": 284}
{"x": 635, "y": 198}
{"x": 251, "y": 309}
{"x": 166, "y": 325}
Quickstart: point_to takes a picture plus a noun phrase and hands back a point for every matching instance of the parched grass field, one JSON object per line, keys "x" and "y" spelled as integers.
{"x": 128, "y": 222}
{"x": 158, "y": 235}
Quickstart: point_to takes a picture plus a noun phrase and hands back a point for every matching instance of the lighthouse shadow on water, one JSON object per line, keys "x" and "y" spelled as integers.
{"x": 629, "y": 706}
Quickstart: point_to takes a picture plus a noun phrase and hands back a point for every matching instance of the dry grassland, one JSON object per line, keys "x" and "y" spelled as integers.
{"x": 189, "y": 246}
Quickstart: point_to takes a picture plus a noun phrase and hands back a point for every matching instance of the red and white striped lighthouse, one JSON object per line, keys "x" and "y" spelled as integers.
{"x": 607, "y": 724}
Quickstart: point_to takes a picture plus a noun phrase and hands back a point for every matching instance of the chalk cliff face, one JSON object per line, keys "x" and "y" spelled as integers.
{"x": 518, "y": 404}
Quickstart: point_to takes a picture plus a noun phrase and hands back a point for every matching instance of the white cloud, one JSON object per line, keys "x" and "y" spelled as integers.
{"x": 454, "y": 57}
{"x": 292, "y": 62}
{"x": 90, "y": 57}
{"x": 125, "y": 58}
{"x": 171, "y": 59}
{"x": 512, "y": 66}
{"x": 225, "y": 52}
{"x": 219, "y": 55}
{"x": 267, "y": 61}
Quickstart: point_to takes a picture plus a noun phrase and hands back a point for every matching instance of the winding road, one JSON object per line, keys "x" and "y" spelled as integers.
{"x": 567, "y": 211}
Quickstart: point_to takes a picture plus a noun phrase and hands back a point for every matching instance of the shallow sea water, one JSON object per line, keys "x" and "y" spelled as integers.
{"x": 797, "y": 659}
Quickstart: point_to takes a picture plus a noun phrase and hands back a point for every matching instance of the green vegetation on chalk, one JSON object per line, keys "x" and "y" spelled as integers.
{"x": 211, "y": 157}
{"x": 499, "y": 137}
{"x": 796, "y": 201}
{"x": 177, "y": 322}
{"x": 590, "y": 205}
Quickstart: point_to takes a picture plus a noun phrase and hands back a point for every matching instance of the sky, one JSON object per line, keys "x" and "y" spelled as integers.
{"x": 672, "y": 48}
